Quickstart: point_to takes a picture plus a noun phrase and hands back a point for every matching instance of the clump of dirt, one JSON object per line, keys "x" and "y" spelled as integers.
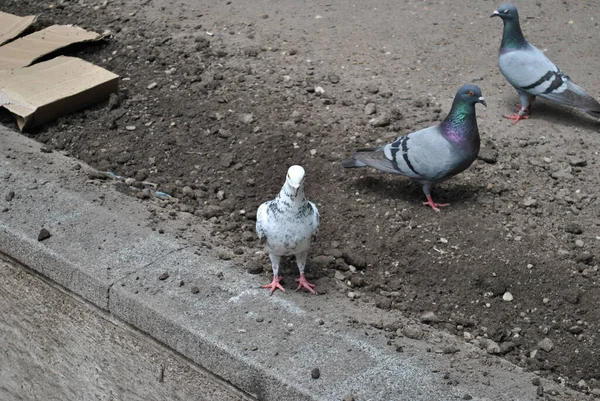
{"x": 213, "y": 111}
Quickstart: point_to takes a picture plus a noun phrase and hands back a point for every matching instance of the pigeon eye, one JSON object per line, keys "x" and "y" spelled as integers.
{"x": 471, "y": 93}
{"x": 506, "y": 12}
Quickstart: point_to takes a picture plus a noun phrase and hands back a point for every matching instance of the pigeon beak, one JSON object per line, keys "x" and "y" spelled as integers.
{"x": 495, "y": 14}
{"x": 482, "y": 101}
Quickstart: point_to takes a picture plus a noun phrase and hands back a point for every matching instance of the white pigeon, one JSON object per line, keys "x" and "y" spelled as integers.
{"x": 287, "y": 225}
{"x": 532, "y": 73}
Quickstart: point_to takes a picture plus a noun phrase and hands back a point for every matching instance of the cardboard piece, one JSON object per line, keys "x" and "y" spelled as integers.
{"x": 12, "y": 26}
{"x": 24, "y": 51}
{"x": 48, "y": 90}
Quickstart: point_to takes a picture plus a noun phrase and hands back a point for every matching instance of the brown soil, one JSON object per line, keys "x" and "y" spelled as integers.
{"x": 231, "y": 110}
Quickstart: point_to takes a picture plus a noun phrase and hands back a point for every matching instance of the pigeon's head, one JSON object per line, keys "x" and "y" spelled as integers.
{"x": 470, "y": 93}
{"x": 295, "y": 177}
{"x": 507, "y": 12}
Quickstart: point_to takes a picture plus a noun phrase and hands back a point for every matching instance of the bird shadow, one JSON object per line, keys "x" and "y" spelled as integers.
{"x": 404, "y": 189}
{"x": 561, "y": 115}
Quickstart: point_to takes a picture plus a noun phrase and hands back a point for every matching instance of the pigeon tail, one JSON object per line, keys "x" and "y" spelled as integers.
{"x": 593, "y": 113}
{"x": 574, "y": 96}
{"x": 374, "y": 157}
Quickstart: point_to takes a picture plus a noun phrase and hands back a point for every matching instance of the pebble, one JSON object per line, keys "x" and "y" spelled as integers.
{"x": 319, "y": 90}
{"x": 507, "y": 297}
{"x": 247, "y": 118}
{"x": 152, "y": 85}
{"x": 562, "y": 174}
{"x": 488, "y": 155}
{"x": 413, "y": 331}
{"x": 546, "y": 345}
{"x": 194, "y": 289}
{"x": 381, "y": 121}
{"x": 576, "y": 161}
{"x": 529, "y": 202}
{"x": 227, "y": 159}
{"x": 579, "y": 243}
{"x": 547, "y": 160}
{"x": 536, "y": 381}
{"x": 467, "y": 397}
{"x": 573, "y": 228}
{"x": 372, "y": 88}
{"x": 9, "y": 196}
{"x": 255, "y": 267}
{"x": 224, "y": 255}
{"x": 492, "y": 347}
{"x": 348, "y": 397}
{"x": 44, "y": 234}
{"x": 430, "y": 317}
{"x": 315, "y": 373}
{"x": 370, "y": 109}
{"x": 575, "y": 330}
{"x": 333, "y": 78}
{"x": 163, "y": 276}
{"x": 130, "y": 128}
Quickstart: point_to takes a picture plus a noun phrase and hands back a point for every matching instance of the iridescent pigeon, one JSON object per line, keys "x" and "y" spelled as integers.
{"x": 287, "y": 225}
{"x": 433, "y": 154}
{"x": 532, "y": 73}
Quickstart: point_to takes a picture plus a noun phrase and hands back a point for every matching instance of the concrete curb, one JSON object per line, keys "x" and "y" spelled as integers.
{"x": 102, "y": 250}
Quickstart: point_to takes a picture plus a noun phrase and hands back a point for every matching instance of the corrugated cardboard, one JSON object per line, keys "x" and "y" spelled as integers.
{"x": 48, "y": 90}
{"x": 24, "y": 51}
{"x": 12, "y": 26}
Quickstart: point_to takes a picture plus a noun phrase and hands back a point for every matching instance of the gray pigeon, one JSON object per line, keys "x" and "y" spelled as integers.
{"x": 287, "y": 225}
{"x": 433, "y": 154}
{"x": 532, "y": 73}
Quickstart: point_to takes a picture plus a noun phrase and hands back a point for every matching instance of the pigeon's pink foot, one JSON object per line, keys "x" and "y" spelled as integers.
{"x": 516, "y": 117}
{"x": 434, "y": 205}
{"x": 302, "y": 283}
{"x": 274, "y": 285}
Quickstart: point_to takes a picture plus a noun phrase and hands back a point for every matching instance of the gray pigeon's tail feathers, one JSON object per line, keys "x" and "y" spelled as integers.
{"x": 374, "y": 157}
{"x": 575, "y": 96}
{"x": 593, "y": 113}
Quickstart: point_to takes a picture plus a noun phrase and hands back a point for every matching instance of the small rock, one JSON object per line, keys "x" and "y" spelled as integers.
{"x": 247, "y": 118}
{"x": 181, "y": 283}
{"x": 585, "y": 258}
{"x": 571, "y": 296}
{"x": 45, "y": 149}
{"x": 348, "y": 397}
{"x": 467, "y": 397}
{"x": 372, "y": 88}
{"x": 163, "y": 276}
{"x": 319, "y": 90}
{"x": 562, "y": 174}
{"x": 575, "y": 330}
{"x": 224, "y": 255}
{"x": 130, "y": 128}
{"x": 579, "y": 243}
{"x": 212, "y": 211}
{"x": 152, "y": 85}
{"x": 44, "y": 234}
{"x": 413, "y": 331}
{"x": 315, "y": 373}
{"x": 370, "y": 109}
{"x": 506, "y": 347}
{"x": 194, "y": 289}
{"x": 540, "y": 390}
{"x": 529, "y": 202}
{"x": 382, "y": 121}
{"x": 227, "y": 159}
{"x": 450, "y": 349}
{"x": 333, "y": 78}
{"x": 255, "y": 266}
{"x": 354, "y": 259}
{"x": 508, "y": 297}
{"x": 9, "y": 196}
{"x": 430, "y": 317}
{"x": 492, "y": 347}
{"x": 536, "y": 381}
{"x": 576, "y": 161}
{"x": 488, "y": 155}
{"x": 546, "y": 345}
{"x": 573, "y": 228}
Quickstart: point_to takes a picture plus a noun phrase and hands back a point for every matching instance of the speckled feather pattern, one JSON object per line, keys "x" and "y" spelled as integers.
{"x": 287, "y": 224}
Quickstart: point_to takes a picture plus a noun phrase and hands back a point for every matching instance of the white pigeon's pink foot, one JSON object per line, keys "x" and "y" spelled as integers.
{"x": 434, "y": 205}
{"x": 302, "y": 283}
{"x": 274, "y": 285}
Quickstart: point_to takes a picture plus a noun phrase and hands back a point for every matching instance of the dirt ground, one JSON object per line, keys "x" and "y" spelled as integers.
{"x": 217, "y": 100}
